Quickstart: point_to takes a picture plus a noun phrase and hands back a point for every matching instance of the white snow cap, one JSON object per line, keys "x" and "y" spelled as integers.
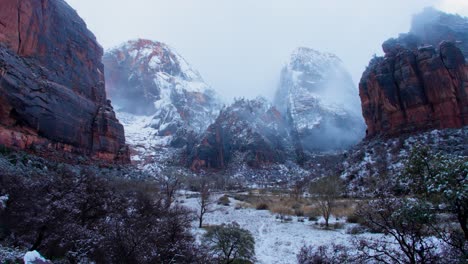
{"x": 33, "y": 257}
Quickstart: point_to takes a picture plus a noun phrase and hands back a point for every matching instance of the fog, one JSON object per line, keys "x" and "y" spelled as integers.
{"x": 240, "y": 46}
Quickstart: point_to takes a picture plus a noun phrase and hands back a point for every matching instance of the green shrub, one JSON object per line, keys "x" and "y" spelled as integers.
{"x": 230, "y": 243}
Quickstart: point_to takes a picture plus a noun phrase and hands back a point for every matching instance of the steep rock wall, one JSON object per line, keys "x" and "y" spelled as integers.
{"x": 52, "y": 82}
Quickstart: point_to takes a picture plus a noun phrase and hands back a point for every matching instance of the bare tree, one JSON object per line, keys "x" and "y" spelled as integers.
{"x": 404, "y": 223}
{"x": 205, "y": 201}
{"x": 326, "y": 191}
{"x": 298, "y": 190}
{"x": 169, "y": 184}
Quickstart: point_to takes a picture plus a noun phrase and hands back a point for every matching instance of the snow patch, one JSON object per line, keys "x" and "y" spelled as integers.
{"x": 276, "y": 242}
{"x": 33, "y": 257}
{"x": 3, "y": 201}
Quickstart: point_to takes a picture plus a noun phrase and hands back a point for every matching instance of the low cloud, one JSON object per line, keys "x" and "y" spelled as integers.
{"x": 240, "y": 46}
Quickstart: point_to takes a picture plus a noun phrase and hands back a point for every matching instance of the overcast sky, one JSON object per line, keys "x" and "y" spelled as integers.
{"x": 240, "y": 46}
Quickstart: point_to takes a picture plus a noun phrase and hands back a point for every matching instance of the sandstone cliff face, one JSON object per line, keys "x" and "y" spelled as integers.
{"x": 413, "y": 89}
{"x": 52, "y": 83}
{"x": 250, "y": 130}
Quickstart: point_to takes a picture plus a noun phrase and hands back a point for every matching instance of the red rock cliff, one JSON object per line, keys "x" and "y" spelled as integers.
{"x": 52, "y": 84}
{"x": 413, "y": 89}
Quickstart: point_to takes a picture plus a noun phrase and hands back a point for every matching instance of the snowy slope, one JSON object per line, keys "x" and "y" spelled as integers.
{"x": 275, "y": 242}
{"x": 162, "y": 101}
{"x": 374, "y": 166}
{"x": 318, "y": 95}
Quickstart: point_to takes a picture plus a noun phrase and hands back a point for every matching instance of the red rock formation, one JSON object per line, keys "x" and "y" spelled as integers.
{"x": 415, "y": 89}
{"x": 250, "y": 131}
{"x": 52, "y": 84}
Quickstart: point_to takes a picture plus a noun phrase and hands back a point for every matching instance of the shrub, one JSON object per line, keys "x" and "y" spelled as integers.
{"x": 298, "y": 212}
{"x": 354, "y": 219}
{"x": 323, "y": 255}
{"x": 262, "y": 206}
{"x": 75, "y": 214}
{"x": 224, "y": 200}
{"x": 356, "y": 230}
{"x": 240, "y": 197}
{"x": 4, "y": 150}
{"x": 296, "y": 206}
{"x": 230, "y": 244}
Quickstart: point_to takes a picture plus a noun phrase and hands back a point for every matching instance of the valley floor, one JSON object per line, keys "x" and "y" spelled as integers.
{"x": 275, "y": 242}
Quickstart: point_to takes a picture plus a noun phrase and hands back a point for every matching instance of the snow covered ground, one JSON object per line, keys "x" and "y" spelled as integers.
{"x": 275, "y": 242}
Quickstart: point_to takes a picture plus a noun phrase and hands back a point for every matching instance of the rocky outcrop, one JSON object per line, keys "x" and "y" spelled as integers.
{"x": 52, "y": 91}
{"x": 250, "y": 130}
{"x": 413, "y": 89}
{"x": 321, "y": 102}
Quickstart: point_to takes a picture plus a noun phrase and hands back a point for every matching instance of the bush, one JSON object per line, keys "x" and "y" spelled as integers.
{"x": 324, "y": 255}
{"x": 296, "y": 206}
{"x": 298, "y": 212}
{"x": 4, "y": 150}
{"x": 355, "y": 219}
{"x": 230, "y": 244}
{"x": 224, "y": 200}
{"x": 313, "y": 216}
{"x": 240, "y": 197}
{"x": 356, "y": 230}
{"x": 75, "y": 214}
{"x": 262, "y": 206}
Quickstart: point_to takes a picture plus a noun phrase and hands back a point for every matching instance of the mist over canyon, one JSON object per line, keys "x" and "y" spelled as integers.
{"x": 233, "y": 123}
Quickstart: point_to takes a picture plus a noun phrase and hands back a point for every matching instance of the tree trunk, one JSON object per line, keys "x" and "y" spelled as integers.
{"x": 462, "y": 218}
{"x": 39, "y": 238}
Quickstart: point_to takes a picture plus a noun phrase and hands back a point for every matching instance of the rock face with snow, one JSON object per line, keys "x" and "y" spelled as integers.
{"x": 251, "y": 130}
{"x": 415, "y": 88}
{"x": 432, "y": 27}
{"x": 33, "y": 257}
{"x": 52, "y": 91}
{"x": 319, "y": 98}
{"x": 374, "y": 166}
{"x": 161, "y": 98}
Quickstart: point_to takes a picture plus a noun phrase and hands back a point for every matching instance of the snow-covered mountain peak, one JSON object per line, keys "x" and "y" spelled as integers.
{"x": 318, "y": 95}
{"x": 160, "y": 60}
{"x": 312, "y": 61}
{"x": 158, "y": 94}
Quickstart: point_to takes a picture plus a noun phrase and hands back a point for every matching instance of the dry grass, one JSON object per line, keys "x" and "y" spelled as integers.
{"x": 345, "y": 208}
{"x": 285, "y": 205}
